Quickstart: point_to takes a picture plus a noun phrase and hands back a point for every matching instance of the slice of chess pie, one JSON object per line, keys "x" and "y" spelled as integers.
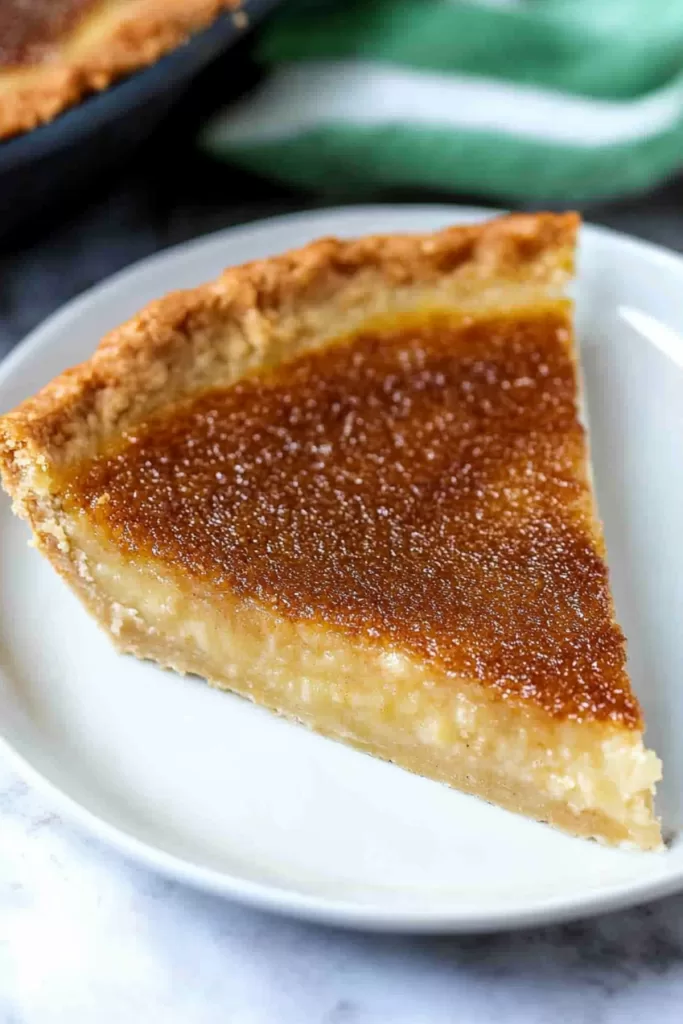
{"x": 350, "y": 483}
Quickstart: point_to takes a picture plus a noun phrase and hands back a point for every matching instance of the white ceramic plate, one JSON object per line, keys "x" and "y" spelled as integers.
{"x": 209, "y": 789}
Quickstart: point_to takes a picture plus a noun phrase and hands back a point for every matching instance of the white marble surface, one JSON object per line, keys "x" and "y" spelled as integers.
{"x": 86, "y": 936}
{"x": 90, "y": 937}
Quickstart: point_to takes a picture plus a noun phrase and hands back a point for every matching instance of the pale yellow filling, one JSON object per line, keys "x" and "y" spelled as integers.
{"x": 380, "y": 700}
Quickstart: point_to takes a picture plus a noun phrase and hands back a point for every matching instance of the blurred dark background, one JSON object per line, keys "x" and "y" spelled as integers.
{"x": 168, "y": 191}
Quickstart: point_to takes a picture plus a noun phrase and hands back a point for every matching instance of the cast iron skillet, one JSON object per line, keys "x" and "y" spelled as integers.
{"x": 43, "y": 167}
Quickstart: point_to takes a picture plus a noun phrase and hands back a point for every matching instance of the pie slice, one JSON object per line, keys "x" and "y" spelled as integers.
{"x": 350, "y": 483}
{"x": 54, "y": 52}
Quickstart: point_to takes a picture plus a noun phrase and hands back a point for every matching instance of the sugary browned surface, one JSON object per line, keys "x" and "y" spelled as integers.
{"x": 420, "y": 484}
{"x": 29, "y": 29}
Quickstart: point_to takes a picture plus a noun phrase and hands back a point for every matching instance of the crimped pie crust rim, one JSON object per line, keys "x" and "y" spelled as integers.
{"x": 143, "y": 366}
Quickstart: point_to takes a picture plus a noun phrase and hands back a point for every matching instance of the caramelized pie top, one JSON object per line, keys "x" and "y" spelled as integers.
{"x": 420, "y": 483}
{"x": 29, "y": 29}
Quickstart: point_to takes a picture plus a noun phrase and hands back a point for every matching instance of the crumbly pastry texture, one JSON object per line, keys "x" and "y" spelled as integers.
{"x": 114, "y": 39}
{"x": 590, "y": 776}
{"x": 268, "y": 310}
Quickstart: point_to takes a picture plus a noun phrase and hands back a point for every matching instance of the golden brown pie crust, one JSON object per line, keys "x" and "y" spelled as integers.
{"x": 261, "y": 312}
{"x": 114, "y": 39}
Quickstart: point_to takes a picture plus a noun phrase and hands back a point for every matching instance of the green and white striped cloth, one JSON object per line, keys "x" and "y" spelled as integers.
{"x": 533, "y": 100}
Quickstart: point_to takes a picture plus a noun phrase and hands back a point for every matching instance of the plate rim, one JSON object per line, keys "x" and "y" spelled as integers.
{"x": 262, "y": 895}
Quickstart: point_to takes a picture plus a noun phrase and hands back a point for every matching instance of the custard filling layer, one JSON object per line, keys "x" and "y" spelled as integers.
{"x": 421, "y": 485}
{"x": 381, "y": 700}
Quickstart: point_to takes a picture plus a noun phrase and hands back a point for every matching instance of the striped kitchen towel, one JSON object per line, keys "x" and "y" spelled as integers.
{"x": 554, "y": 100}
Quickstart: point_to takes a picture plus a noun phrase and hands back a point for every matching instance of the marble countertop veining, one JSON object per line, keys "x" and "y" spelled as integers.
{"x": 87, "y": 936}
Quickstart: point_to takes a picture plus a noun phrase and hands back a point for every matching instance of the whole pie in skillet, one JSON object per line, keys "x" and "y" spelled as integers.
{"x": 350, "y": 483}
{"x": 54, "y": 52}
